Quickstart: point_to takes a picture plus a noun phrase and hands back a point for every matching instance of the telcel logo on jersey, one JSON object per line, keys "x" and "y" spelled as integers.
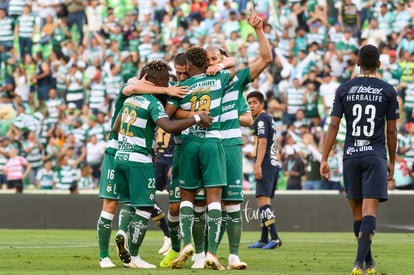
{"x": 364, "y": 90}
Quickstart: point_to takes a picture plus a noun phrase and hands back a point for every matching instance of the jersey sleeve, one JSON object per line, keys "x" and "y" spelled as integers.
{"x": 157, "y": 111}
{"x": 338, "y": 108}
{"x": 244, "y": 106}
{"x": 262, "y": 128}
{"x": 243, "y": 76}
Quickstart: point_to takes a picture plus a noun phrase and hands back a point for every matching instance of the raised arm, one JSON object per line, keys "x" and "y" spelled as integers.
{"x": 265, "y": 52}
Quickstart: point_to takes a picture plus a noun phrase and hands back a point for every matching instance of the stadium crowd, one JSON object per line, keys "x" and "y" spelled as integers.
{"x": 62, "y": 64}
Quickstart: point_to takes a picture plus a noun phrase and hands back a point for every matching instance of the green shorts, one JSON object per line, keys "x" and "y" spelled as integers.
{"x": 233, "y": 191}
{"x": 136, "y": 183}
{"x": 107, "y": 184}
{"x": 174, "y": 186}
{"x": 202, "y": 164}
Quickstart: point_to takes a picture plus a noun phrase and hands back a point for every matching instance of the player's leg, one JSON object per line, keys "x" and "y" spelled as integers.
{"x": 271, "y": 178}
{"x": 141, "y": 182}
{"x": 161, "y": 179}
{"x": 214, "y": 179}
{"x": 188, "y": 178}
{"x": 186, "y": 221}
{"x": 121, "y": 240}
{"x": 364, "y": 199}
{"x": 107, "y": 192}
{"x": 174, "y": 228}
{"x": 158, "y": 217}
{"x": 104, "y": 228}
{"x": 199, "y": 230}
{"x": 232, "y": 196}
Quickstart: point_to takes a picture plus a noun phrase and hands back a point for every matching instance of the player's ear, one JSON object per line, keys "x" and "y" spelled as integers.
{"x": 378, "y": 64}
{"x": 357, "y": 62}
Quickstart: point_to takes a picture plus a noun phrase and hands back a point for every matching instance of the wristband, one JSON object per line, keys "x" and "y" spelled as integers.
{"x": 220, "y": 65}
{"x": 197, "y": 118}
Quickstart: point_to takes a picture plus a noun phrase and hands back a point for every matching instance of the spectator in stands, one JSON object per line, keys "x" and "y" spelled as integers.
{"x": 45, "y": 177}
{"x": 293, "y": 169}
{"x": 76, "y": 15}
{"x": 16, "y": 170}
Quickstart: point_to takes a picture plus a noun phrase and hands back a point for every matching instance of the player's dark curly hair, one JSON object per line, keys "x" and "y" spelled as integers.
{"x": 197, "y": 56}
{"x": 155, "y": 70}
{"x": 369, "y": 56}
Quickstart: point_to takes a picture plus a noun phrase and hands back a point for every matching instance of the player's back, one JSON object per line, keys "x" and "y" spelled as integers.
{"x": 366, "y": 103}
{"x": 205, "y": 94}
{"x": 138, "y": 123}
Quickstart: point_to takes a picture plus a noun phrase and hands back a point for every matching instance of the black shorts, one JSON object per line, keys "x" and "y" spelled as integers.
{"x": 18, "y": 184}
{"x": 366, "y": 177}
{"x": 266, "y": 186}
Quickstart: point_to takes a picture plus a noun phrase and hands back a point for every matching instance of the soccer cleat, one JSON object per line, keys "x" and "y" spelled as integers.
{"x": 168, "y": 259}
{"x": 211, "y": 262}
{"x": 235, "y": 263}
{"x": 137, "y": 262}
{"x": 370, "y": 268}
{"x": 122, "y": 248}
{"x": 106, "y": 263}
{"x": 273, "y": 244}
{"x": 259, "y": 244}
{"x": 185, "y": 253}
{"x": 357, "y": 271}
{"x": 198, "y": 260}
{"x": 166, "y": 246}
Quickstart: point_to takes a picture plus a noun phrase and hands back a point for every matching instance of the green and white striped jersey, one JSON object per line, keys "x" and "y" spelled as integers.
{"x": 45, "y": 178}
{"x": 112, "y": 144}
{"x": 137, "y": 131}
{"x": 98, "y": 130}
{"x": 205, "y": 94}
{"x": 97, "y": 95}
{"x": 233, "y": 105}
{"x": 60, "y": 78}
{"x": 52, "y": 106}
{"x": 16, "y": 7}
{"x": 65, "y": 177}
{"x": 3, "y": 159}
{"x": 26, "y": 25}
{"x": 75, "y": 90}
{"x": 113, "y": 84}
{"x": 34, "y": 157}
{"x": 6, "y": 29}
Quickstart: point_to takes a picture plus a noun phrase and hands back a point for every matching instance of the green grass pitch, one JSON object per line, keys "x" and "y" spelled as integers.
{"x": 76, "y": 252}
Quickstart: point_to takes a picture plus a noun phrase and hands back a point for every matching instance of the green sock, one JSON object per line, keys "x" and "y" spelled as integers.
{"x": 223, "y": 227}
{"x": 174, "y": 227}
{"x": 234, "y": 230}
{"x": 125, "y": 217}
{"x": 138, "y": 228}
{"x": 104, "y": 228}
{"x": 186, "y": 221}
{"x": 214, "y": 225}
{"x": 199, "y": 228}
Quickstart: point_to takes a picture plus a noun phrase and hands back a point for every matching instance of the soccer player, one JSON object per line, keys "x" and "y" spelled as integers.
{"x": 107, "y": 186}
{"x": 266, "y": 170}
{"x": 236, "y": 112}
{"x": 202, "y": 159}
{"x": 368, "y": 104}
{"x": 134, "y": 169}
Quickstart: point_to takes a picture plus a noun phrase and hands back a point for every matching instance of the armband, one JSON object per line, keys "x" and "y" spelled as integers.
{"x": 197, "y": 118}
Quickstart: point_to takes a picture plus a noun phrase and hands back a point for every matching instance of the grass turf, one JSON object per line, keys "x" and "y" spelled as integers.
{"x": 76, "y": 252}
